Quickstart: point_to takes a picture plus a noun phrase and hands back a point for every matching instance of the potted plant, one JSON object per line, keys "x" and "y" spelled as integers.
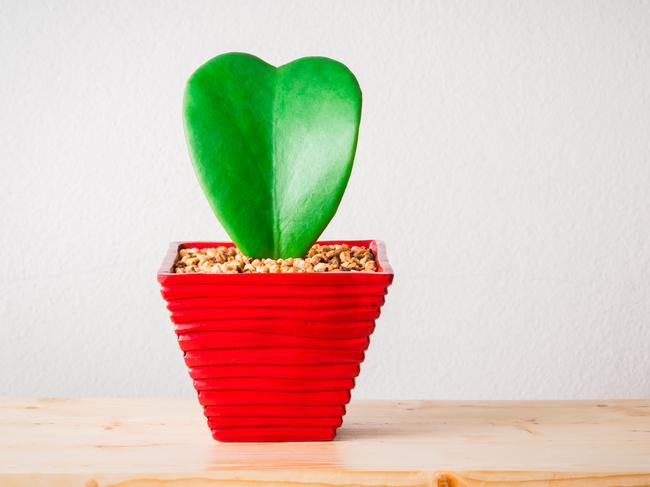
{"x": 272, "y": 327}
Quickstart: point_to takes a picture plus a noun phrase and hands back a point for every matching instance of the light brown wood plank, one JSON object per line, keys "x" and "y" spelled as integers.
{"x": 162, "y": 442}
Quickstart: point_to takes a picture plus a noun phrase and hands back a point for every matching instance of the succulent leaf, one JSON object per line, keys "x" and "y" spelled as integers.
{"x": 272, "y": 147}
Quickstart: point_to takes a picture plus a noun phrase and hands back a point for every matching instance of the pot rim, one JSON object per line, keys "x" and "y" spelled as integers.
{"x": 377, "y": 246}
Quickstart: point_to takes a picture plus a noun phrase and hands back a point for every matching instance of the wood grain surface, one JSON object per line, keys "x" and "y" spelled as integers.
{"x": 162, "y": 442}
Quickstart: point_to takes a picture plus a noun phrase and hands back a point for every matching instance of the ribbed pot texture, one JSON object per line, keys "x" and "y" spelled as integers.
{"x": 274, "y": 357}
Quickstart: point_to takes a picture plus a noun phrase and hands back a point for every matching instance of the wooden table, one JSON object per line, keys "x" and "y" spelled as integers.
{"x": 165, "y": 443}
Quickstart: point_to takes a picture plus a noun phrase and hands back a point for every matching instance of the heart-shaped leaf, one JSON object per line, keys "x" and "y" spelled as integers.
{"x": 272, "y": 147}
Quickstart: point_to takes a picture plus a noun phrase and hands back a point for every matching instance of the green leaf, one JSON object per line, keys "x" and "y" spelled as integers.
{"x": 272, "y": 147}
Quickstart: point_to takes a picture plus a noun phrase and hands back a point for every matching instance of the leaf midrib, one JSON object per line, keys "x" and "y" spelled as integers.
{"x": 274, "y": 202}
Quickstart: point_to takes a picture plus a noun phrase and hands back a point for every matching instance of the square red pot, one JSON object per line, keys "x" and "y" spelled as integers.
{"x": 274, "y": 357}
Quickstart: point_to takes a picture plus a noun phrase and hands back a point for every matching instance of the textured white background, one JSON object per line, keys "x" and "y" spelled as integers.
{"x": 504, "y": 157}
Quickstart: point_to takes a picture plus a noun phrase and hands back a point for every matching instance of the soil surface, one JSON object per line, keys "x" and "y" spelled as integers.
{"x": 320, "y": 258}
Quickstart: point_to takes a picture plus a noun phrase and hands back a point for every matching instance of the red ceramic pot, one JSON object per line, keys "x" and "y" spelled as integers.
{"x": 274, "y": 357}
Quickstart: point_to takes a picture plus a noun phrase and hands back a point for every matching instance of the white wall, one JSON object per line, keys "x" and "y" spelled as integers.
{"x": 504, "y": 158}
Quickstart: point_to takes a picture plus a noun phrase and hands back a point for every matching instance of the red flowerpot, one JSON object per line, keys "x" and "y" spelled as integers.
{"x": 274, "y": 357}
